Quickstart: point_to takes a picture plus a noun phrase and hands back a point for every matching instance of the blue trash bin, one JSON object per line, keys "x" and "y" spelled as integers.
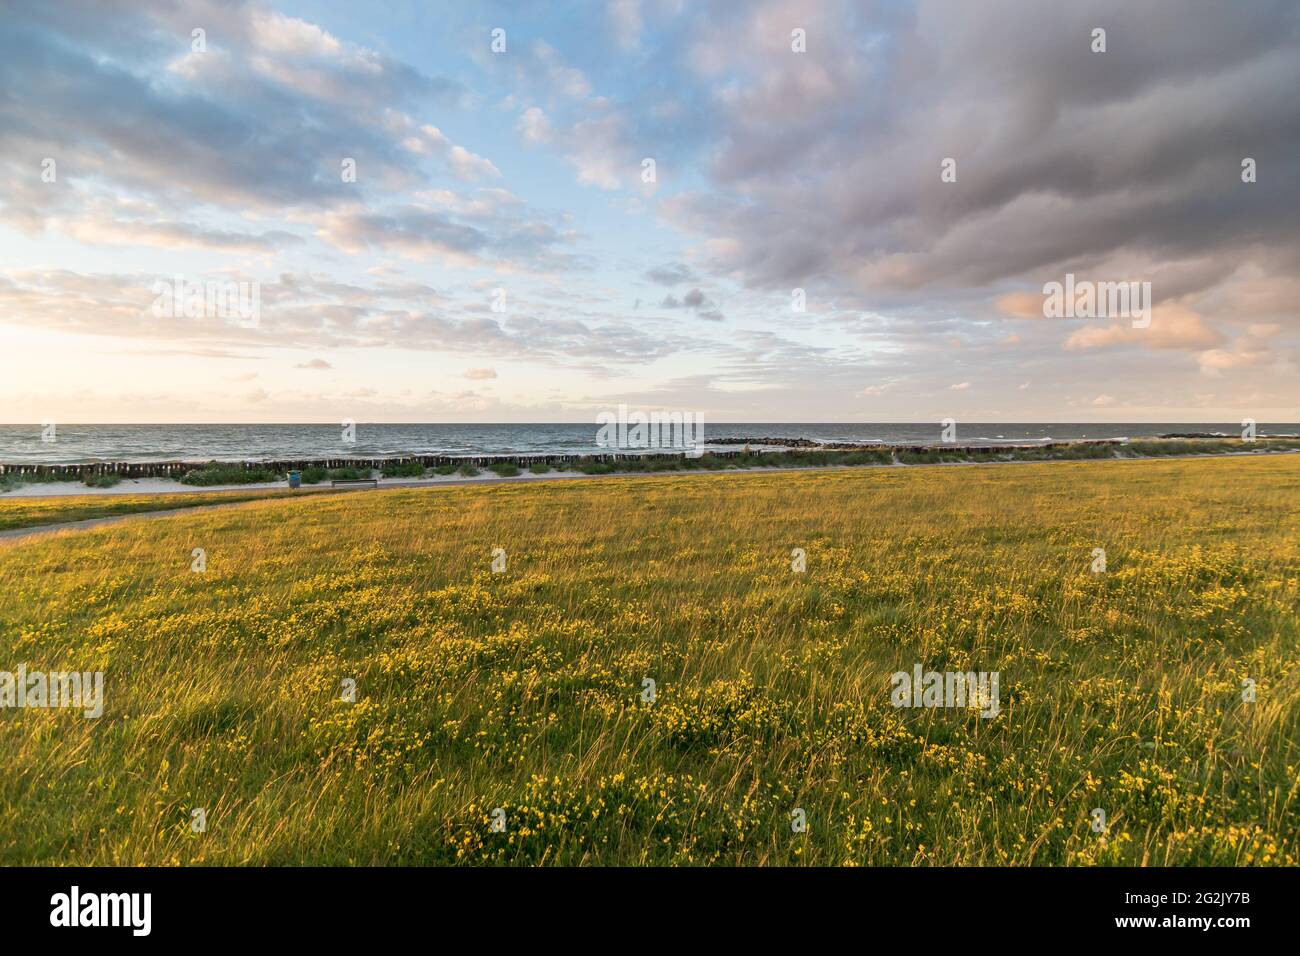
{"x": 295, "y": 479}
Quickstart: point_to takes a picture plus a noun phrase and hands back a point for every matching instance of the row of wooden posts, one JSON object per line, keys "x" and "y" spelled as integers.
{"x": 175, "y": 469}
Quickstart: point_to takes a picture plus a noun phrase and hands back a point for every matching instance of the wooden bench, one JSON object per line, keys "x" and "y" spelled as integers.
{"x": 355, "y": 483}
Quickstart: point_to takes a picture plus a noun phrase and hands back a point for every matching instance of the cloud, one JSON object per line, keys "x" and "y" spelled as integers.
{"x": 1256, "y": 348}
{"x": 258, "y": 123}
{"x": 1066, "y": 160}
{"x": 1215, "y": 361}
{"x": 315, "y": 364}
{"x": 625, "y": 18}
{"x": 534, "y": 127}
{"x": 590, "y": 132}
{"x": 304, "y": 311}
{"x": 427, "y": 140}
{"x": 697, "y": 301}
{"x": 1172, "y": 327}
{"x": 544, "y": 62}
{"x": 473, "y": 239}
{"x": 596, "y": 148}
{"x": 670, "y": 274}
{"x": 1021, "y": 305}
{"x": 172, "y": 235}
{"x": 480, "y": 373}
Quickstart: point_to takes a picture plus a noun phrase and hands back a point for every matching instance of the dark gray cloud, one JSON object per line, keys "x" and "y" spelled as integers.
{"x": 695, "y": 300}
{"x": 670, "y": 274}
{"x": 826, "y": 171}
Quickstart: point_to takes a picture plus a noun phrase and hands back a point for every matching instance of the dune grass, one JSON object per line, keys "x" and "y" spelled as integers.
{"x": 523, "y": 691}
{"x": 402, "y": 469}
{"x": 227, "y": 473}
{"x": 315, "y": 474}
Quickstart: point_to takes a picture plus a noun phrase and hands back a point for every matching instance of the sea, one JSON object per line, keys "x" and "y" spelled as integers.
{"x": 79, "y": 444}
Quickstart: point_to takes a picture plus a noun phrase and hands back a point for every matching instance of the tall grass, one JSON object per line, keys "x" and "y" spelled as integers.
{"x": 522, "y": 691}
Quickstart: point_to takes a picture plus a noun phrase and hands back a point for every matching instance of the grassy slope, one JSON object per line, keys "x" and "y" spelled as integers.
{"x": 520, "y": 690}
{"x": 26, "y": 512}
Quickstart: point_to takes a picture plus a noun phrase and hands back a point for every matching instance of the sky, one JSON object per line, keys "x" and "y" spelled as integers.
{"x": 775, "y": 211}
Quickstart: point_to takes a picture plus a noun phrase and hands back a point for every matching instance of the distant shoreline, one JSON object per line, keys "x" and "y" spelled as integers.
{"x": 718, "y": 448}
{"x": 110, "y": 446}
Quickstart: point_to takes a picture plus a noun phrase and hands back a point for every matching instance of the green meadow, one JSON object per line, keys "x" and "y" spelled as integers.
{"x": 646, "y": 678}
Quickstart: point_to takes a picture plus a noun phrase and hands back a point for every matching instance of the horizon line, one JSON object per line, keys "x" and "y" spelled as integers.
{"x": 925, "y": 421}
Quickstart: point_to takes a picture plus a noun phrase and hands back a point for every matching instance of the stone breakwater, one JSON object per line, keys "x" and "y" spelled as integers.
{"x": 1171, "y": 435}
{"x": 781, "y": 442}
{"x": 177, "y": 469}
{"x": 861, "y": 446}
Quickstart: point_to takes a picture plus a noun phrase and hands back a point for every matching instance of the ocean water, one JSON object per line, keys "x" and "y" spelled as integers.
{"x": 75, "y": 444}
